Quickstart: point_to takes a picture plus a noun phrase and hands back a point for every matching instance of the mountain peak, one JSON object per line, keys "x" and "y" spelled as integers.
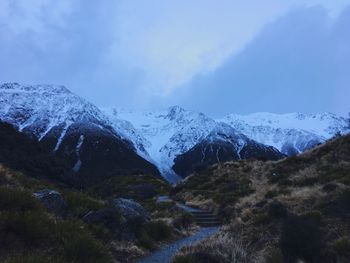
{"x": 42, "y": 88}
{"x": 175, "y": 112}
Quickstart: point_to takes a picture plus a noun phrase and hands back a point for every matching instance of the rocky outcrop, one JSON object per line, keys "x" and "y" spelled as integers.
{"x": 123, "y": 217}
{"x": 53, "y": 201}
{"x": 130, "y": 210}
{"x": 221, "y": 146}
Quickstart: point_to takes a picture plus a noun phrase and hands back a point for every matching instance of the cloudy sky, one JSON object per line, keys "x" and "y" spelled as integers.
{"x": 214, "y": 56}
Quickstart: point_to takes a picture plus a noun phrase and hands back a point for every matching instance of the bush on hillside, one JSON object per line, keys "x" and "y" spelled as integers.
{"x": 17, "y": 200}
{"x": 301, "y": 238}
{"x": 184, "y": 220}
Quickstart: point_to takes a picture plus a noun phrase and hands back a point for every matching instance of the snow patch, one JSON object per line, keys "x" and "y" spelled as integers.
{"x": 77, "y": 165}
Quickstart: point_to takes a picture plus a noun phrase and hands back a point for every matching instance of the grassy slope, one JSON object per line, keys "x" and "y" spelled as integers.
{"x": 296, "y": 208}
{"x": 28, "y": 230}
{"x": 30, "y": 234}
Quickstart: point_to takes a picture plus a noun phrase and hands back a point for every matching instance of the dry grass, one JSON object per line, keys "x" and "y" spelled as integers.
{"x": 306, "y": 186}
{"x": 224, "y": 247}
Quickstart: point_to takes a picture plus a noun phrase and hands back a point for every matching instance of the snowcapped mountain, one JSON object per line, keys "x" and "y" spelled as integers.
{"x": 222, "y": 144}
{"x": 41, "y": 109}
{"x": 102, "y": 142}
{"x": 165, "y": 133}
{"x": 72, "y": 128}
{"x": 290, "y": 133}
{"x": 169, "y": 133}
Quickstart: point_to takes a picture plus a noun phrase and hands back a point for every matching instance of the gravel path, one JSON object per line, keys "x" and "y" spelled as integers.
{"x": 165, "y": 254}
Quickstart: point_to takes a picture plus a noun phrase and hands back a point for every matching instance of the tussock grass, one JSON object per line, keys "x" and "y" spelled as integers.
{"x": 288, "y": 210}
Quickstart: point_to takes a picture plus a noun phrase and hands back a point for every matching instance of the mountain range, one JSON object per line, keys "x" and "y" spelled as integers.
{"x": 98, "y": 143}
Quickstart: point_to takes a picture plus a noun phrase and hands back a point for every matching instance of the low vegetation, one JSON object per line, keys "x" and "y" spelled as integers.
{"x": 30, "y": 233}
{"x": 293, "y": 210}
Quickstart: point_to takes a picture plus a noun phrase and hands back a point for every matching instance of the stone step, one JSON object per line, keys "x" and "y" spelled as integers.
{"x": 201, "y": 217}
{"x": 207, "y": 220}
{"x": 208, "y": 224}
{"x": 200, "y": 212}
{"x": 205, "y": 216}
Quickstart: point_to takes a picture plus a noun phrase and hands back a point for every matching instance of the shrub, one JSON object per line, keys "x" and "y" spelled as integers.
{"x": 301, "y": 238}
{"x": 274, "y": 256}
{"x": 85, "y": 249}
{"x": 330, "y": 187}
{"x": 271, "y": 194}
{"x": 197, "y": 257}
{"x": 30, "y": 227}
{"x": 80, "y": 203}
{"x": 306, "y": 181}
{"x": 158, "y": 230}
{"x": 262, "y": 219}
{"x": 277, "y": 210}
{"x": 145, "y": 241}
{"x": 340, "y": 207}
{"x": 152, "y": 232}
{"x": 17, "y": 200}
{"x": 185, "y": 220}
{"x": 31, "y": 259}
{"x": 341, "y": 248}
{"x": 184, "y": 259}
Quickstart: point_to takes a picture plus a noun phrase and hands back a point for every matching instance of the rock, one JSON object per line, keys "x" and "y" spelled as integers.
{"x": 123, "y": 217}
{"x": 109, "y": 217}
{"x": 53, "y": 201}
{"x": 164, "y": 199}
{"x": 130, "y": 210}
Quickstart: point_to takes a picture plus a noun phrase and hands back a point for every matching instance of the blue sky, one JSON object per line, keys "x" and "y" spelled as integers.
{"x": 212, "y": 56}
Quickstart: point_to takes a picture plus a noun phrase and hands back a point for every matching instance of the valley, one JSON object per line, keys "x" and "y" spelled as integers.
{"x": 168, "y": 186}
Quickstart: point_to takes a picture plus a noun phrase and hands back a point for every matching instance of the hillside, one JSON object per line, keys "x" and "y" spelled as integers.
{"x": 23, "y": 153}
{"x": 176, "y": 139}
{"x": 46, "y": 217}
{"x": 283, "y": 211}
{"x": 73, "y": 129}
{"x": 290, "y": 133}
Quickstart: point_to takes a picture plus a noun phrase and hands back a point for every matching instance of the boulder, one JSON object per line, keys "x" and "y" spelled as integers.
{"x": 108, "y": 217}
{"x": 130, "y": 210}
{"x": 53, "y": 201}
{"x": 123, "y": 217}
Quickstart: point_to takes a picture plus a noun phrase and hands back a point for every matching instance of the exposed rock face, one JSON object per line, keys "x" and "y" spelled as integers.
{"x": 53, "y": 201}
{"x": 23, "y": 153}
{"x": 130, "y": 210}
{"x": 170, "y": 133}
{"x": 123, "y": 217}
{"x": 222, "y": 145}
{"x": 291, "y": 133}
{"x": 73, "y": 129}
{"x": 106, "y": 216}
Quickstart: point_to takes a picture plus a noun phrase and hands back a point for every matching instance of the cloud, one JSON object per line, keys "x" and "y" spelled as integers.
{"x": 174, "y": 40}
{"x": 298, "y": 63}
{"x": 126, "y": 52}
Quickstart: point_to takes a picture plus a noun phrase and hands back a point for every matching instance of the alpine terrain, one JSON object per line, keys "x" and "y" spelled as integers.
{"x": 72, "y": 129}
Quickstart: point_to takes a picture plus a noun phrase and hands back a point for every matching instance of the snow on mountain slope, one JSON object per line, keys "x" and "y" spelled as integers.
{"x": 69, "y": 124}
{"x": 73, "y": 128}
{"x": 41, "y": 108}
{"x": 129, "y": 132}
{"x": 222, "y": 144}
{"x": 166, "y": 134}
{"x": 290, "y": 133}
